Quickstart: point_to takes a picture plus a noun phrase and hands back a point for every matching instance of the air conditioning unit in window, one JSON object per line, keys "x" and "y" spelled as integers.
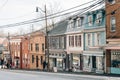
{"x": 98, "y": 21}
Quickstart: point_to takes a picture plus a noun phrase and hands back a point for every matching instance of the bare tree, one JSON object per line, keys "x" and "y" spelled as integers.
{"x": 52, "y": 8}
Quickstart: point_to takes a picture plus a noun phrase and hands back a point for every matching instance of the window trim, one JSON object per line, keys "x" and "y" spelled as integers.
{"x": 90, "y": 23}
{"x": 99, "y": 19}
{"x": 111, "y": 18}
{"x": 112, "y": 2}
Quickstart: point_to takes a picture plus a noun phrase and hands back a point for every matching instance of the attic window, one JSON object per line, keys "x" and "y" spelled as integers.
{"x": 111, "y": 1}
{"x": 99, "y": 18}
{"x": 90, "y": 20}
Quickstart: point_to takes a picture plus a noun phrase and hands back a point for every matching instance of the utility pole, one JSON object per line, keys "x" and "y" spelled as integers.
{"x": 9, "y": 49}
{"x": 47, "y": 41}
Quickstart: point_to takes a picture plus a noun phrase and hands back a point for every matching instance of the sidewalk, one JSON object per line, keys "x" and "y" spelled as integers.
{"x": 67, "y": 72}
{"x": 90, "y": 73}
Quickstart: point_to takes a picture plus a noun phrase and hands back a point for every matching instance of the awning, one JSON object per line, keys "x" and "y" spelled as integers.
{"x": 93, "y": 53}
{"x": 112, "y": 47}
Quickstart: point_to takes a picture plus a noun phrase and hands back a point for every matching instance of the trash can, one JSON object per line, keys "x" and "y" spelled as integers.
{"x": 54, "y": 69}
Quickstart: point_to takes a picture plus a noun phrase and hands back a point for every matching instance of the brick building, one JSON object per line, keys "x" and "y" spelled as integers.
{"x": 113, "y": 36}
{"x": 37, "y": 50}
{"x": 16, "y": 52}
{"x": 25, "y": 52}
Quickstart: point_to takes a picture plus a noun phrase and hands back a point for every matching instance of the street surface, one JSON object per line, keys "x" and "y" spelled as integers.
{"x": 32, "y": 75}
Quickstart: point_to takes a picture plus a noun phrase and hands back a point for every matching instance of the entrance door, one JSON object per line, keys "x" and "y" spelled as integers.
{"x": 94, "y": 62}
{"x": 37, "y": 61}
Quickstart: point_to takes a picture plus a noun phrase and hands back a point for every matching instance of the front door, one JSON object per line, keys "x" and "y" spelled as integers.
{"x": 37, "y": 61}
{"x": 94, "y": 62}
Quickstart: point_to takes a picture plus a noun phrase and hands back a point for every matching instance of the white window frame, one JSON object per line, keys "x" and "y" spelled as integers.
{"x": 90, "y": 21}
{"x": 111, "y": 2}
{"x": 79, "y": 22}
{"x": 112, "y": 24}
{"x": 99, "y": 18}
{"x": 71, "y": 24}
{"x": 98, "y": 38}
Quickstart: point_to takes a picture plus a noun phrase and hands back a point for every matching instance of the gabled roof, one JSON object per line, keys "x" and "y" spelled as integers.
{"x": 59, "y": 28}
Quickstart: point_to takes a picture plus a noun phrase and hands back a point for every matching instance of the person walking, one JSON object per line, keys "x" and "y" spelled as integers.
{"x": 44, "y": 65}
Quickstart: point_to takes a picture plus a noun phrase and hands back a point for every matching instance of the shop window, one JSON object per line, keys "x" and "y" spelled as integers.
{"x": 115, "y": 59}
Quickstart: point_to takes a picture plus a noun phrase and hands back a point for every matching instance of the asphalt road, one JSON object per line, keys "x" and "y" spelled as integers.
{"x": 32, "y": 75}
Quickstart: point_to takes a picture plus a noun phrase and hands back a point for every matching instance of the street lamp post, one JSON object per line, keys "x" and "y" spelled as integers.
{"x": 47, "y": 41}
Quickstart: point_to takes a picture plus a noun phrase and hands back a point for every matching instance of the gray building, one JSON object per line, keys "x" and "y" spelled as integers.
{"x": 57, "y": 45}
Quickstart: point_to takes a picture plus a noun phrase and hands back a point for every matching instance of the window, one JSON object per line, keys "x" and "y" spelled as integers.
{"x": 36, "y": 47}
{"x": 99, "y": 18}
{"x": 41, "y": 59}
{"x": 32, "y": 58}
{"x": 111, "y": 1}
{"x": 78, "y": 40}
{"x": 98, "y": 38}
{"x": 113, "y": 22}
{"x": 37, "y": 61}
{"x": 90, "y": 20}
{"x": 79, "y": 22}
{"x": 88, "y": 39}
{"x": 115, "y": 58}
{"x": 71, "y": 41}
{"x": 62, "y": 43}
{"x": 43, "y": 47}
{"x": 31, "y": 47}
{"x": 71, "y": 24}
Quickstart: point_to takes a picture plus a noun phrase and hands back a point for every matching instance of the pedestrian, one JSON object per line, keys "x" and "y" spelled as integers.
{"x": 44, "y": 65}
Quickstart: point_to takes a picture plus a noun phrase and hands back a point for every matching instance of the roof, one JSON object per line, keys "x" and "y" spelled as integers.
{"x": 59, "y": 28}
{"x": 1, "y": 40}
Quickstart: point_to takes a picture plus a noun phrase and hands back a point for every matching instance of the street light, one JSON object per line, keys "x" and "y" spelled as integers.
{"x": 47, "y": 41}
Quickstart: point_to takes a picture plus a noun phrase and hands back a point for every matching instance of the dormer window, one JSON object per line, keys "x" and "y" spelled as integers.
{"x": 80, "y": 22}
{"x": 90, "y": 20}
{"x": 111, "y": 1}
{"x": 71, "y": 24}
{"x": 99, "y": 18}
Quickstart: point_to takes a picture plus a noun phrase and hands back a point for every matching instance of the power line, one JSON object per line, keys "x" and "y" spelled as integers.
{"x": 18, "y": 16}
{"x": 51, "y": 14}
{"x": 37, "y": 20}
{"x": 74, "y": 7}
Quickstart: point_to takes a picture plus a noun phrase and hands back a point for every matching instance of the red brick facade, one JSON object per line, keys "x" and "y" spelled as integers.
{"x": 16, "y": 52}
{"x": 25, "y": 52}
{"x": 110, "y": 9}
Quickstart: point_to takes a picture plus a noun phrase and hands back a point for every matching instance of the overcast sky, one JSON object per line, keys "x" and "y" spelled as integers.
{"x": 13, "y": 11}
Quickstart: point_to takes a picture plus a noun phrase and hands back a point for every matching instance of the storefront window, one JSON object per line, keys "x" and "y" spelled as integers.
{"x": 87, "y": 61}
{"x": 115, "y": 58}
{"x": 76, "y": 61}
{"x": 100, "y": 63}
{"x": 59, "y": 63}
